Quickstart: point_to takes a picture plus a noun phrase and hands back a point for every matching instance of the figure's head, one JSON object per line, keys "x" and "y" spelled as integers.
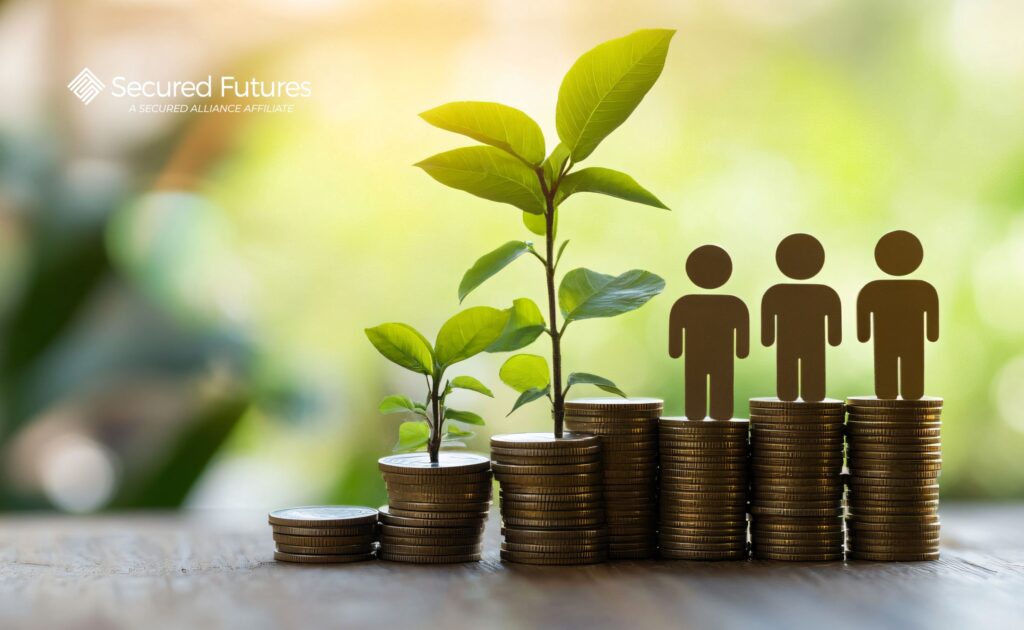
{"x": 708, "y": 266}
{"x": 800, "y": 256}
{"x": 898, "y": 253}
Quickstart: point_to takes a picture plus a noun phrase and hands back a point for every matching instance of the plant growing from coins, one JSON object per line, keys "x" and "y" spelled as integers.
{"x": 598, "y": 94}
{"x": 465, "y": 335}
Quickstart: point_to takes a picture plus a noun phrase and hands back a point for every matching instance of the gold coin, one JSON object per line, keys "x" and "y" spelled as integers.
{"x": 560, "y": 549}
{"x": 355, "y": 532}
{"x": 392, "y": 519}
{"x": 448, "y": 463}
{"x": 475, "y": 490}
{"x": 543, "y": 559}
{"x": 554, "y": 523}
{"x": 441, "y": 508}
{"x": 543, "y": 458}
{"x": 893, "y": 557}
{"x": 430, "y": 550}
{"x": 545, "y": 441}
{"x": 793, "y": 557}
{"x": 614, "y": 404}
{"x": 734, "y": 546}
{"x": 325, "y": 541}
{"x": 388, "y": 542}
{"x": 281, "y": 556}
{"x": 872, "y": 401}
{"x": 323, "y": 516}
{"x": 669, "y": 554}
{"x": 337, "y": 550}
{"x": 437, "y": 481}
{"x": 413, "y": 559}
{"x": 808, "y": 512}
{"x": 519, "y": 534}
{"x": 554, "y": 469}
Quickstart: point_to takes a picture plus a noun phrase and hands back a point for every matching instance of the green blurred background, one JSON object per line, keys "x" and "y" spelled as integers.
{"x": 183, "y": 296}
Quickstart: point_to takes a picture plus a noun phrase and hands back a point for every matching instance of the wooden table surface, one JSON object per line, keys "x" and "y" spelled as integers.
{"x": 215, "y": 570}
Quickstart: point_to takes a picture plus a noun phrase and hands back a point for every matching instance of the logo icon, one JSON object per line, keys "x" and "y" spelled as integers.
{"x": 86, "y": 86}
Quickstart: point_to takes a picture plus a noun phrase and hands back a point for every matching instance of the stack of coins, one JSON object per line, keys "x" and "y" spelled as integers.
{"x": 628, "y": 428}
{"x": 703, "y": 489}
{"x": 796, "y": 479}
{"x": 894, "y": 453}
{"x": 324, "y": 534}
{"x": 552, "y": 507}
{"x": 436, "y": 511}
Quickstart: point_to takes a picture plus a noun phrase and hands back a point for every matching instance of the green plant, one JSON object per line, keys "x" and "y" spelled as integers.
{"x": 597, "y": 95}
{"x": 465, "y": 335}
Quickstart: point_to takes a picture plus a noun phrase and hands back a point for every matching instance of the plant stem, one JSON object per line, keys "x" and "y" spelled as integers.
{"x": 434, "y": 445}
{"x": 558, "y": 401}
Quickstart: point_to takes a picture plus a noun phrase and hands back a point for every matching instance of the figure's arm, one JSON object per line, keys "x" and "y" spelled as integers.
{"x": 768, "y": 315}
{"x": 742, "y": 331}
{"x": 863, "y": 317}
{"x": 834, "y": 315}
{"x": 931, "y": 314}
{"x": 675, "y": 330}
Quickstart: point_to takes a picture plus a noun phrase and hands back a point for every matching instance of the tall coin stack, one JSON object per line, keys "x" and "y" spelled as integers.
{"x": 436, "y": 511}
{"x": 796, "y": 485}
{"x": 324, "y": 534}
{"x": 552, "y": 506}
{"x": 703, "y": 489}
{"x": 894, "y": 454}
{"x": 628, "y": 428}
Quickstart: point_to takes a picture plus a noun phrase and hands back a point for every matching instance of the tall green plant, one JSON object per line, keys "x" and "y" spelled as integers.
{"x": 465, "y": 335}
{"x": 597, "y": 95}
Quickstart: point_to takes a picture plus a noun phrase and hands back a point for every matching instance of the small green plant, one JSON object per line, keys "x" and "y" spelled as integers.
{"x": 465, "y": 335}
{"x": 597, "y": 95}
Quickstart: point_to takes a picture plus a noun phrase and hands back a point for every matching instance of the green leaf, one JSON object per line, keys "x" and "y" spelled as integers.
{"x": 529, "y": 396}
{"x": 525, "y": 371}
{"x": 561, "y": 250}
{"x": 452, "y": 431}
{"x": 495, "y": 124}
{"x": 470, "y": 383}
{"x": 467, "y": 417}
{"x": 525, "y": 324}
{"x": 605, "y": 85}
{"x": 489, "y": 173}
{"x": 411, "y": 436}
{"x": 537, "y": 224}
{"x": 469, "y": 333}
{"x": 609, "y": 182}
{"x": 554, "y": 163}
{"x": 583, "y": 378}
{"x": 397, "y": 404}
{"x": 403, "y": 345}
{"x": 490, "y": 264}
{"x": 585, "y": 294}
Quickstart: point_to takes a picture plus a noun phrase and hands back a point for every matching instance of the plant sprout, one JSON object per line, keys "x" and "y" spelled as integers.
{"x": 468, "y": 333}
{"x": 598, "y": 94}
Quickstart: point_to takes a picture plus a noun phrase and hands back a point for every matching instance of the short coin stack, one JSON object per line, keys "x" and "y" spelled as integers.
{"x": 436, "y": 511}
{"x": 628, "y": 428}
{"x": 796, "y": 485}
{"x": 552, "y": 506}
{"x": 703, "y": 489}
{"x": 894, "y": 454}
{"x": 324, "y": 534}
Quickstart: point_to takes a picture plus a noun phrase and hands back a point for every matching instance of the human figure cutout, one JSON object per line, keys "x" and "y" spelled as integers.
{"x": 796, "y": 317}
{"x": 899, "y": 314}
{"x": 708, "y": 329}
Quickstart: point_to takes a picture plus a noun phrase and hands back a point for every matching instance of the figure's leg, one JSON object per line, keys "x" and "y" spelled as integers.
{"x": 912, "y": 375}
{"x": 812, "y": 375}
{"x": 786, "y": 374}
{"x": 886, "y": 376}
{"x": 696, "y": 406}
{"x": 722, "y": 391}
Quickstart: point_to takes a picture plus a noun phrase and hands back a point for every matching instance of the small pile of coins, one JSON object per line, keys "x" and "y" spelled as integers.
{"x": 324, "y": 534}
{"x": 703, "y": 489}
{"x": 796, "y": 487}
{"x": 894, "y": 453}
{"x": 628, "y": 428}
{"x": 552, "y": 507}
{"x": 436, "y": 511}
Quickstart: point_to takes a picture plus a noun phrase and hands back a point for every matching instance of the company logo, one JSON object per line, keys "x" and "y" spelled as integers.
{"x": 86, "y": 86}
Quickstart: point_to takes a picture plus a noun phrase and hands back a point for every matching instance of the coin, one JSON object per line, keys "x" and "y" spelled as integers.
{"x": 392, "y": 519}
{"x": 872, "y": 401}
{"x": 320, "y": 559}
{"x": 414, "y": 559}
{"x": 893, "y": 557}
{"x": 569, "y": 442}
{"x": 431, "y": 550}
{"x": 324, "y": 541}
{"x": 449, "y": 463}
{"x": 442, "y": 508}
{"x": 552, "y": 469}
{"x": 323, "y": 516}
{"x": 624, "y": 405}
{"x": 336, "y": 550}
{"x": 356, "y": 531}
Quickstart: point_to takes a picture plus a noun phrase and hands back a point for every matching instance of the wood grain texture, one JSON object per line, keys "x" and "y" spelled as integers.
{"x": 215, "y": 571}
